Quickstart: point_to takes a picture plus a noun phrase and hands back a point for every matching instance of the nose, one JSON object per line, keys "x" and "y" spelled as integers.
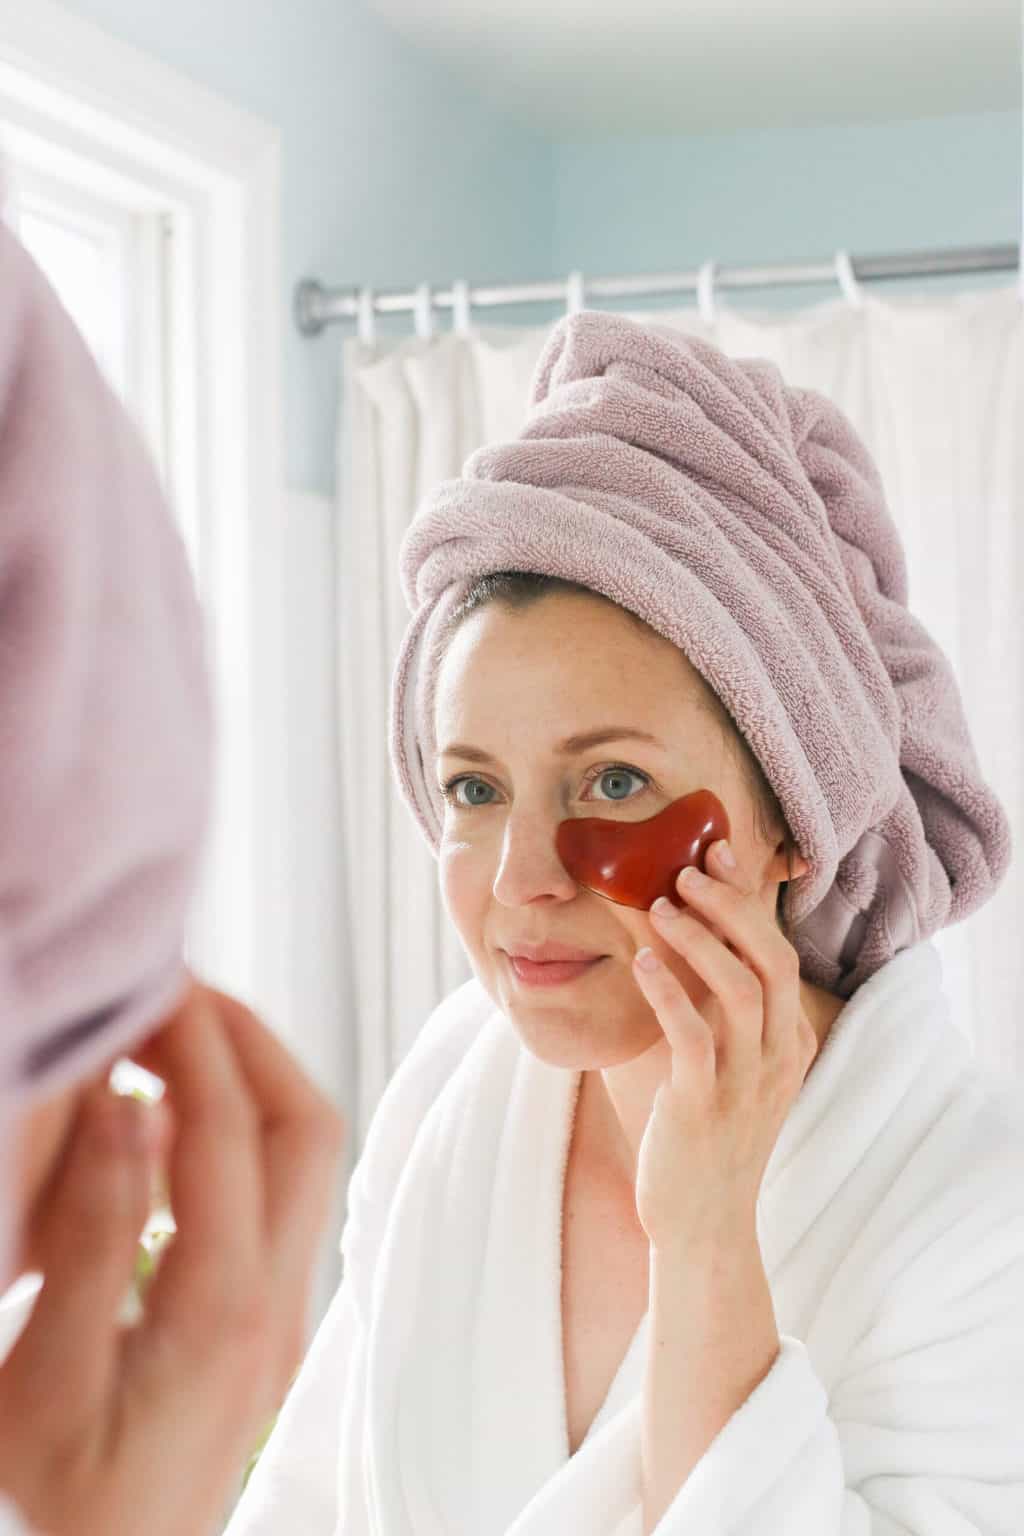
{"x": 530, "y": 868}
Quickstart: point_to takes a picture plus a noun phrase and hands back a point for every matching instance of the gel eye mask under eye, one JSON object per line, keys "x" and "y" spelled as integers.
{"x": 635, "y": 862}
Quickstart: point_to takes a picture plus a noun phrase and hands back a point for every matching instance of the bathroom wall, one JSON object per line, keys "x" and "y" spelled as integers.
{"x": 789, "y": 195}
{"x": 391, "y": 170}
{"x": 395, "y": 171}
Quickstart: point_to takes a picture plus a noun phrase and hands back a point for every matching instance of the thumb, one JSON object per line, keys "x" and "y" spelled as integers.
{"x": 87, "y": 1238}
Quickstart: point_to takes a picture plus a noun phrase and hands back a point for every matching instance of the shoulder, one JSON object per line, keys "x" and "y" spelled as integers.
{"x": 946, "y": 1242}
{"x": 441, "y": 1044}
{"x": 443, "y": 1039}
{"x": 969, "y": 1169}
{"x": 929, "y": 1399}
{"x": 933, "y": 1137}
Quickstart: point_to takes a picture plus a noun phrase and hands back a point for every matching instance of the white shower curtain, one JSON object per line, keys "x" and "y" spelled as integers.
{"x": 934, "y": 385}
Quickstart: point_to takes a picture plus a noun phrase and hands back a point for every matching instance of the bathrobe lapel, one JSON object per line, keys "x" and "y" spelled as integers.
{"x": 465, "y": 1378}
{"x": 519, "y": 1377}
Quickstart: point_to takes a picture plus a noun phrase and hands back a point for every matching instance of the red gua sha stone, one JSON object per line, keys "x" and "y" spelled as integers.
{"x": 634, "y": 862}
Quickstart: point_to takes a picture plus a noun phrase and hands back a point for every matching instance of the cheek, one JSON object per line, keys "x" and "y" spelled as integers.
{"x": 465, "y": 889}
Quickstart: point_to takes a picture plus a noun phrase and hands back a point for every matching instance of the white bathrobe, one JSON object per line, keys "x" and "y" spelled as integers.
{"x": 891, "y": 1224}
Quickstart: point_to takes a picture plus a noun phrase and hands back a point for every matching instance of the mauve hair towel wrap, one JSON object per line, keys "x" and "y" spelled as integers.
{"x": 744, "y": 520}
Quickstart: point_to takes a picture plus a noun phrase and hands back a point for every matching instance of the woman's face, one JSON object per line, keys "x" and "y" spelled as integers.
{"x": 514, "y": 685}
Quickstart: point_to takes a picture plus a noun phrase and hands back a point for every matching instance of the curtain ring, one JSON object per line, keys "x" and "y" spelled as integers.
{"x": 575, "y": 299}
{"x": 423, "y": 310}
{"x": 367, "y": 320}
{"x": 706, "y": 292}
{"x": 461, "y": 320}
{"x": 852, "y": 290}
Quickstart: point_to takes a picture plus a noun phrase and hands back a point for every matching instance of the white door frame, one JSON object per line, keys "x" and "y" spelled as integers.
{"x": 72, "y": 96}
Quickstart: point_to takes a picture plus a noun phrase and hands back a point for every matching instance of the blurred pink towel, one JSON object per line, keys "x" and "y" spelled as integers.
{"x": 105, "y": 712}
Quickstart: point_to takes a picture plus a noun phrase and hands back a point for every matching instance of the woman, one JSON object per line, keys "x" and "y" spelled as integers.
{"x": 105, "y": 751}
{"x": 736, "y": 1244}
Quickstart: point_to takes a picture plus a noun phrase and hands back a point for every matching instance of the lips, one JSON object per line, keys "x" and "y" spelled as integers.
{"x": 544, "y": 954}
{"x": 553, "y": 973}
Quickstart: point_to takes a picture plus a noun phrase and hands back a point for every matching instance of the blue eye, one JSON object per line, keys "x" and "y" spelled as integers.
{"x": 617, "y": 771}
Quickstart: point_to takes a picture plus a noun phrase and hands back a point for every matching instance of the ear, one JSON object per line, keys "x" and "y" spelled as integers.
{"x": 788, "y": 863}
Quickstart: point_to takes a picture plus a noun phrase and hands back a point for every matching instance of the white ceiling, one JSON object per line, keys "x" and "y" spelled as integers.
{"x": 582, "y": 68}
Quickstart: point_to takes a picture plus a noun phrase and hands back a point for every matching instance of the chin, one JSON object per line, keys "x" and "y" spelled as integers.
{"x": 575, "y": 1038}
{"x": 576, "y": 1054}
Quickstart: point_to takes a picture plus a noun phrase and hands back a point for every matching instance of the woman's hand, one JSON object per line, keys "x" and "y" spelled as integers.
{"x": 734, "y": 1076}
{"x": 105, "y": 1429}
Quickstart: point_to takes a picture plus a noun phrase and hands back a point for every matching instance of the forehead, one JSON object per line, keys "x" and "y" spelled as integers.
{"x": 559, "y": 665}
{"x": 549, "y": 641}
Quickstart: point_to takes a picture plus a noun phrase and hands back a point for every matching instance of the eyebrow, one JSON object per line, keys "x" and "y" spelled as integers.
{"x": 567, "y": 748}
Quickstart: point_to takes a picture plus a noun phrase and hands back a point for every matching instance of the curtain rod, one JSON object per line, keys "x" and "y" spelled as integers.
{"x": 316, "y": 307}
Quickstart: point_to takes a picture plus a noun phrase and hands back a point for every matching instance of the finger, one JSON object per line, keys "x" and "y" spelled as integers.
{"x": 302, "y": 1136}
{"x": 149, "y": 1052}
{"x": 724, "y": 901}
{"x": 284, "y": 1097}
{"x": 281, "y": 1090}
{"x": 64, "y": 1362}
{"x": 734, "y": 987}
{"x": 777, "y": 966}
{"x": 754, "y": 954}
{"x": 213, "y": 1268}
{"x": 692, "y": 1043}
{"x": 716, "y": 864}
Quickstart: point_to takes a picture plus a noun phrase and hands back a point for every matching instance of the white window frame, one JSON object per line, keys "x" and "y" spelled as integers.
{"x": 79, "y": 103}
{"x": 136, "y": 245}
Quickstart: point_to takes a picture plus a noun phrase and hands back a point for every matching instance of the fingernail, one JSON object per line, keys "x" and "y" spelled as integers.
{"x": 726, "y": 856}
{"x": 646, "y": 959}
{"x": 665, "y": 908}
{"x": 692, "y": 876}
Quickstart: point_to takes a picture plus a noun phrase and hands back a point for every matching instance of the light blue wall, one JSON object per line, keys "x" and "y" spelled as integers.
{"x": 392, "y": 172}
{"x": 788, "y": 195}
